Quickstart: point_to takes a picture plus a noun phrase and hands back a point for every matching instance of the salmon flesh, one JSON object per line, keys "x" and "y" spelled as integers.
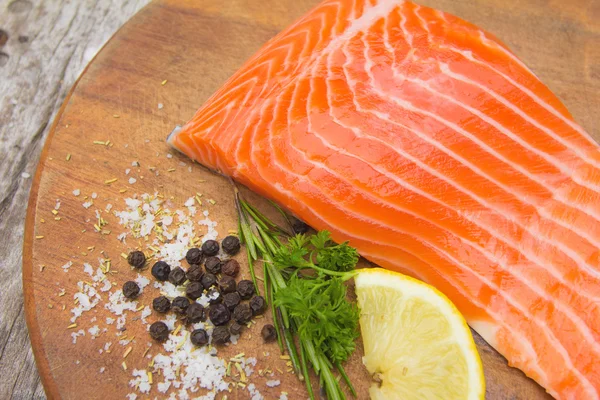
{"x": 427, "y": 144}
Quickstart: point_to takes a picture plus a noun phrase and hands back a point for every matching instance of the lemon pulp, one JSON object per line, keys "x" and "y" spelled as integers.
{"x": 417, "y": 344}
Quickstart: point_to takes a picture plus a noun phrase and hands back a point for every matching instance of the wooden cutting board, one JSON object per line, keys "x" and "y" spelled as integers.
{"x": 177, "y": 53}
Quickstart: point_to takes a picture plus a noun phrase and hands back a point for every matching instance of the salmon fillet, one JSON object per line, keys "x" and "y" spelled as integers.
{"x": 427, "y": 144}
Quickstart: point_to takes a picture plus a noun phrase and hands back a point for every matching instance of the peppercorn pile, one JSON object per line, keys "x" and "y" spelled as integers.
{"x": 231, "y": 304}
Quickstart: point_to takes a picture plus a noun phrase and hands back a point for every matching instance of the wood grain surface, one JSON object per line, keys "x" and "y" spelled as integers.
{"x": 195, "y": 47}
{"x": 44, "y": 46}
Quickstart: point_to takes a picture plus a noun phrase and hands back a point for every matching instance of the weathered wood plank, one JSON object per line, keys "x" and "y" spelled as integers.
{"x": 44, "y": 46}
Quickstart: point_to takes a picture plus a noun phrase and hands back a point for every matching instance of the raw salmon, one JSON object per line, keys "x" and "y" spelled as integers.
{"x": 427, "y": 144}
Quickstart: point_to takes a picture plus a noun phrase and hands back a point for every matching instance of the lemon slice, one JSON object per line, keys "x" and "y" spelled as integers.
{"x": 417, "y": 344}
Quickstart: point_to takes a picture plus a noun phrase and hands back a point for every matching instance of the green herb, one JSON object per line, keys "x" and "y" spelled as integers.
{"x": 304, "y": 284}
{"x": 325, "y": 316}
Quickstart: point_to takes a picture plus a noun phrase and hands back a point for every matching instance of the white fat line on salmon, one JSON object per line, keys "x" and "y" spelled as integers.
{"x": 572, "y": 124}
{"x": 445, "y": 68}
{"x": 406, "y": 105}
{"x": 486, "y": 119}
{"x": 565, "y": 249}
{"x": 565, "y": 169}
{"x": 361, "y": 24}
{"x": 552, "y": 160}
{"x": 487, "y": 42}
{"x": 534, "y": 234}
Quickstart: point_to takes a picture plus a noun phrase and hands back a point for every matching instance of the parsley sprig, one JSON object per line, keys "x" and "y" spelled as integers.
{"x": 304, "y": 285}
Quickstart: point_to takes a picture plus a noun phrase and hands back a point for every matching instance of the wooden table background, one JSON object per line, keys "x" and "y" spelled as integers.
{"x": 44, "y": 45}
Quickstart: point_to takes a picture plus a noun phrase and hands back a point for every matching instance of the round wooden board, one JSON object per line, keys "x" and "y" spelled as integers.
{"x": 194, "y": 46}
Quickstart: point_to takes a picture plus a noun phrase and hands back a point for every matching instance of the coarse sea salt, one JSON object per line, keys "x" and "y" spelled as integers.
{"x": 67, "y": 266}
{"x": 169, "y": 290}
{"x": 118, "y": 303}
{"x": 140, "y": 380}
{"x": 57, "y": 205}
{"x": 76, "y": 192}
{"x": 94, "y": 195}
{"x": 87, "y": 204}
{"x": 199, "y": 368}
{"x": 170, "y": 321}
{"x": 273, "y": 383}
{"x": 127, "y": 171}
{"x": 87, "y": 298}
{"x": 189, "y": 202}
{"x": 88, "y": 269}
{"x": 94, "y": 331}
{"x": 142, "y": 282}
{"x": 132, "y": 180}
{"x": 75, "y": 335}
{"x": 146, "y": 312}
{"x": 254, "y": 392}
{"x": 121, "y": 322}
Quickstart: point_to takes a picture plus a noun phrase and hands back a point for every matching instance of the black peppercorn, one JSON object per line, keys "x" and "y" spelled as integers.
{"x": 213, "y": 265}
{"x": 180, "y": 305}
{"x": 258, "y": 305}
{"x": 220, "y": 335}
{"x": 242, "y": 313}
{"x": 227, "y": 284}
{"x": 177, "y": 276}
{"x": 159, "y": 331}
{"x": 195, "y": 313}
{"x": 219, "y": 314}
{"x": 194, "y": 274}
{"x": 268, "y": 333}
{"x": 199, "y": 338}
{"x": 193, "y": 290}
{"x": 230, "y": 267}
{"x": 235, "y": 328}
{"x": 231, "y": 300}
{"x": 210, "y": 248}
{"x": 245, "y": 289}
{"x": 161, "y": 270}
{"x": 214, "y": 296}
{"x": 208, "y": 280}
{"x": 136, "y": 259}
{"x": 161, "y": 304}
{"x": 231, "y": 245}
{"x": 194, "y": 256}
{"x": 300, "y": 227}
{"x": 131, "y": 290}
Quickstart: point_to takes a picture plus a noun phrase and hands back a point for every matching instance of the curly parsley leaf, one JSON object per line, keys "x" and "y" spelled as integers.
{"x": 325, "y": 316}
{"x": 340, "y": 257}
